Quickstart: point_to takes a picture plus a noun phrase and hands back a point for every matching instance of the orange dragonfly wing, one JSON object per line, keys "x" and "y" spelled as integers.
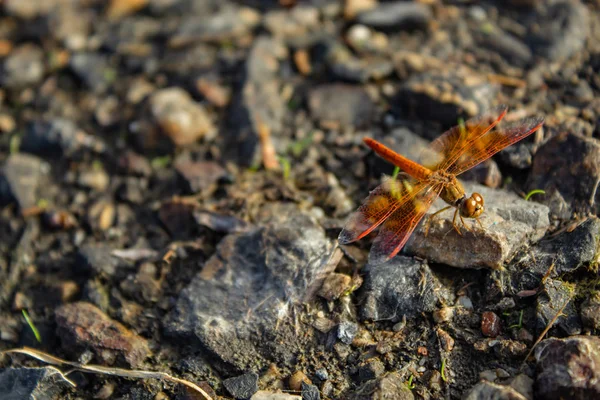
{"x": 384, "y": 200}
{"x": 444, "y": 150}
{"x": 396, "y": 230}
{"x": 485, "y": 146}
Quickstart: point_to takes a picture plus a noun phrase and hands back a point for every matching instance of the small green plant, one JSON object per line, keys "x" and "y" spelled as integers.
{"x": 15, "y": 143}
{"x": 297, "y": 147}
{"x": 160, "y": 162}
{"x": 443, "y": 370}
{"x": 519, "y": 324}
{"x": 36, "y": 333}
{"x": 410, "y": 385}
{"x": 535, "y": 191}
{"x": 286, "y": 165}
{"x": 396, "y": 172}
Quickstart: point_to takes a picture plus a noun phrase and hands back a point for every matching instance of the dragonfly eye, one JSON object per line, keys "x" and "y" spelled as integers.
{"x": 473, "y": 206}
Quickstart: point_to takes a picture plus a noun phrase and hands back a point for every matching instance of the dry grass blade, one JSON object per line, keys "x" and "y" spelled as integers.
{"x": 99, "y": 369}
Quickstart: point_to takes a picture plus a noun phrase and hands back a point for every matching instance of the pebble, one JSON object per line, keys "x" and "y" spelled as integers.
{"x": 30, "y": 383}
{"x": 396, "y": 15}
{"x": 490, "y": 324}
{"x": 243, "y": 386}
{"x": 354, "y": 108}
{"x": 23, "y": 67}
{"x": 297, "y": 379}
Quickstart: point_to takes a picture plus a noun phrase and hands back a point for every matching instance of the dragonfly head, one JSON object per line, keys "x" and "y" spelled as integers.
{"x": 472, "y": 207}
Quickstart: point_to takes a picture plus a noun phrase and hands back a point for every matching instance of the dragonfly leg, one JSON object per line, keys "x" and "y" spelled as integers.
{"x": 479, "y": 221}
{"x": 463, "y": 223}
{"x": 456, "y": 228}
{"x": 430, "y": 218}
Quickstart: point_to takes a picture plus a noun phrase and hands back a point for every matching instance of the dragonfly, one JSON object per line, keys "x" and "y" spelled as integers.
{"x": 398, "y": 204}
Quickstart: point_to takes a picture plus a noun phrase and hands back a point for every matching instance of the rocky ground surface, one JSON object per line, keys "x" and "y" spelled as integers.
{"x": 174, "y": 175}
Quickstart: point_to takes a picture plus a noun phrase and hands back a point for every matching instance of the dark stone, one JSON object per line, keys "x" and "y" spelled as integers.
{"x": 243, "y": 386}
{"x": 201, "y": 175}
{"x": 98, "y": 258}
{"x": 93, "y": 69}
{"x": 56, "y": 138}
{"x": 568, "y": 368}
{"x": 590, "y": 312}
{"x": 353, "y": 106}
{"x": 485, "y": 390}
{"x": 30, "y": 383}
{"x": 372, "y": 369}
{"x": 396, "y": 15}
{"x": 509, "y": 47}
{"x": 21, "y": 178}
{"x": 567, "y": 168}
{"x": 268, "y": 270}
{"x": 346, "y": 66}
{"x": 389, "y": 386}
{"x": 549, "y": 303}
{"x": 401, "y": 286}
{"x": 310, "y": 392}
{"x": 517, "y": 156}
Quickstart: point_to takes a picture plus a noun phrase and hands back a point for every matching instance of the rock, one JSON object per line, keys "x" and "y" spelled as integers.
{"x": 567, "y": 168}
{"x": 562, "y": 28}
{"x": 120, "y": 8}
{"x": 390, "y": 386}
{"x": 371, "y": 369}
{"x": 98, "y": 258}
{"x": 23, "y": 67}
{"x": 513, "y": 50}
{"x": 243, "y": 386}
{"x": 58, "y": 137}
{"x": 267, "y": 269}
{"x": 490, "y": 324}
{"x": 568, "y": 368}
{"x": 549, "y": 303}
{"x": 590, "y": 312}
{"x": 297, "y": 379}
{"x": 83, "y": 326}
{"x": 30, "y": 383}
{"x": 310, "y": 392}
{"x": 266, "y": 395}
{"x": 508, "y": 223}
{"x": 346, "y": 331}
{"x": 179, "y": 117}
{"x": 200, "y": 176}
{"x": 334, "y": 286}
{"x": 95, "y": 179}
{"x": 354, "y": 108}
{"x": 132, "y": 163}
{"x": 400, "y": 287}
{"x": 21, "y": 178}
{"x": 396, "y": 15}
{"x": 219, "y": 222}
{"x": 28, "y": 9}
{"x": 226, "y": 24}
{"x": 94, "y": 70}
{"x": 346, "y": 66}
{"x": 485, "y": 390}
{"x": 293, "y": 25}
{"x": 446, "y": 95}
{"x": 517, "y": 156}
{"x": 258, "y": 107}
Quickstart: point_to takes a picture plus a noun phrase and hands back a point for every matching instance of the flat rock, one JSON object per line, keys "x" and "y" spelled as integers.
{"x": 353, "y": 106}
{"x": 199, "y": 176}
{"x": 30, "y": 383}
{"x": 242, "y": 387}
{"x": 82, "y": 325}
{"x": 98, "y": 258}
{"x": 58, "y": 137}
{"x": 567, "y": 168}
{"x": 259, "y": 275}
{"x": 21, "y": 178}
{"x": 508, "y": 221}
{"x": 400, "y": 287}
{"x": 396, "y": 15}
{"x": 508, "y": 46}
{"x": 446, "y": 95}
{"x": 346, "y": 66}
{"x": 568, "y": 368}
{"x": 554, "y": 296}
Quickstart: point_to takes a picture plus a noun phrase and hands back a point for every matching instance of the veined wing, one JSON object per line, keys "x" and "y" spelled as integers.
{"x": 396, "y": 230}
{"x": 443, "y": 151}
{"x": 492, "y": 142}
{"x": 384, "y": 200}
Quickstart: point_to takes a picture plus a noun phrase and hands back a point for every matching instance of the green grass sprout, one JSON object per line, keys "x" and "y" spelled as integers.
{"x": 396, "y": 172}
{"x": 518, "y": 325}
{"x": 286, "y": 165}
{"x": 36, "y": 333}
{"x": 160, "y": 162}
{"x": 443, "y": 370}
{"x": 15, "y": 144}
{"x": 535, "y": 191}
{"x": 410, "y": 385}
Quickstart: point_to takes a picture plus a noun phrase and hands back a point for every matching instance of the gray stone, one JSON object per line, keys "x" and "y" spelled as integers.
{"x": 21, "y": 178}
{"x": 389, "y": 386}
{"x": 239, "y": 306}
{"x": 93, "y": 69}
{"x": 568, "y": 368}
{"x": 310, "y": 392}
{"x": 549, "y": 303}
{"x": 243, "y": 386}
{"x": 508, "y": 222}
{"x": 346, "y": 331}
{"x": 485, "y": 390}
{"x": 509, "y": 47}
{"x": 98, "y": 258}
{"x": 24, "y": 66}
{"x": 30, "y": 383}
{"x": 353, "y": 106}
{"x": 590, "y": 312}
{"x": 396, "y": 15}
{"x": 58, "y": 137}
{"x": 346, "y": 66}
{"x": 399, "y": 287}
